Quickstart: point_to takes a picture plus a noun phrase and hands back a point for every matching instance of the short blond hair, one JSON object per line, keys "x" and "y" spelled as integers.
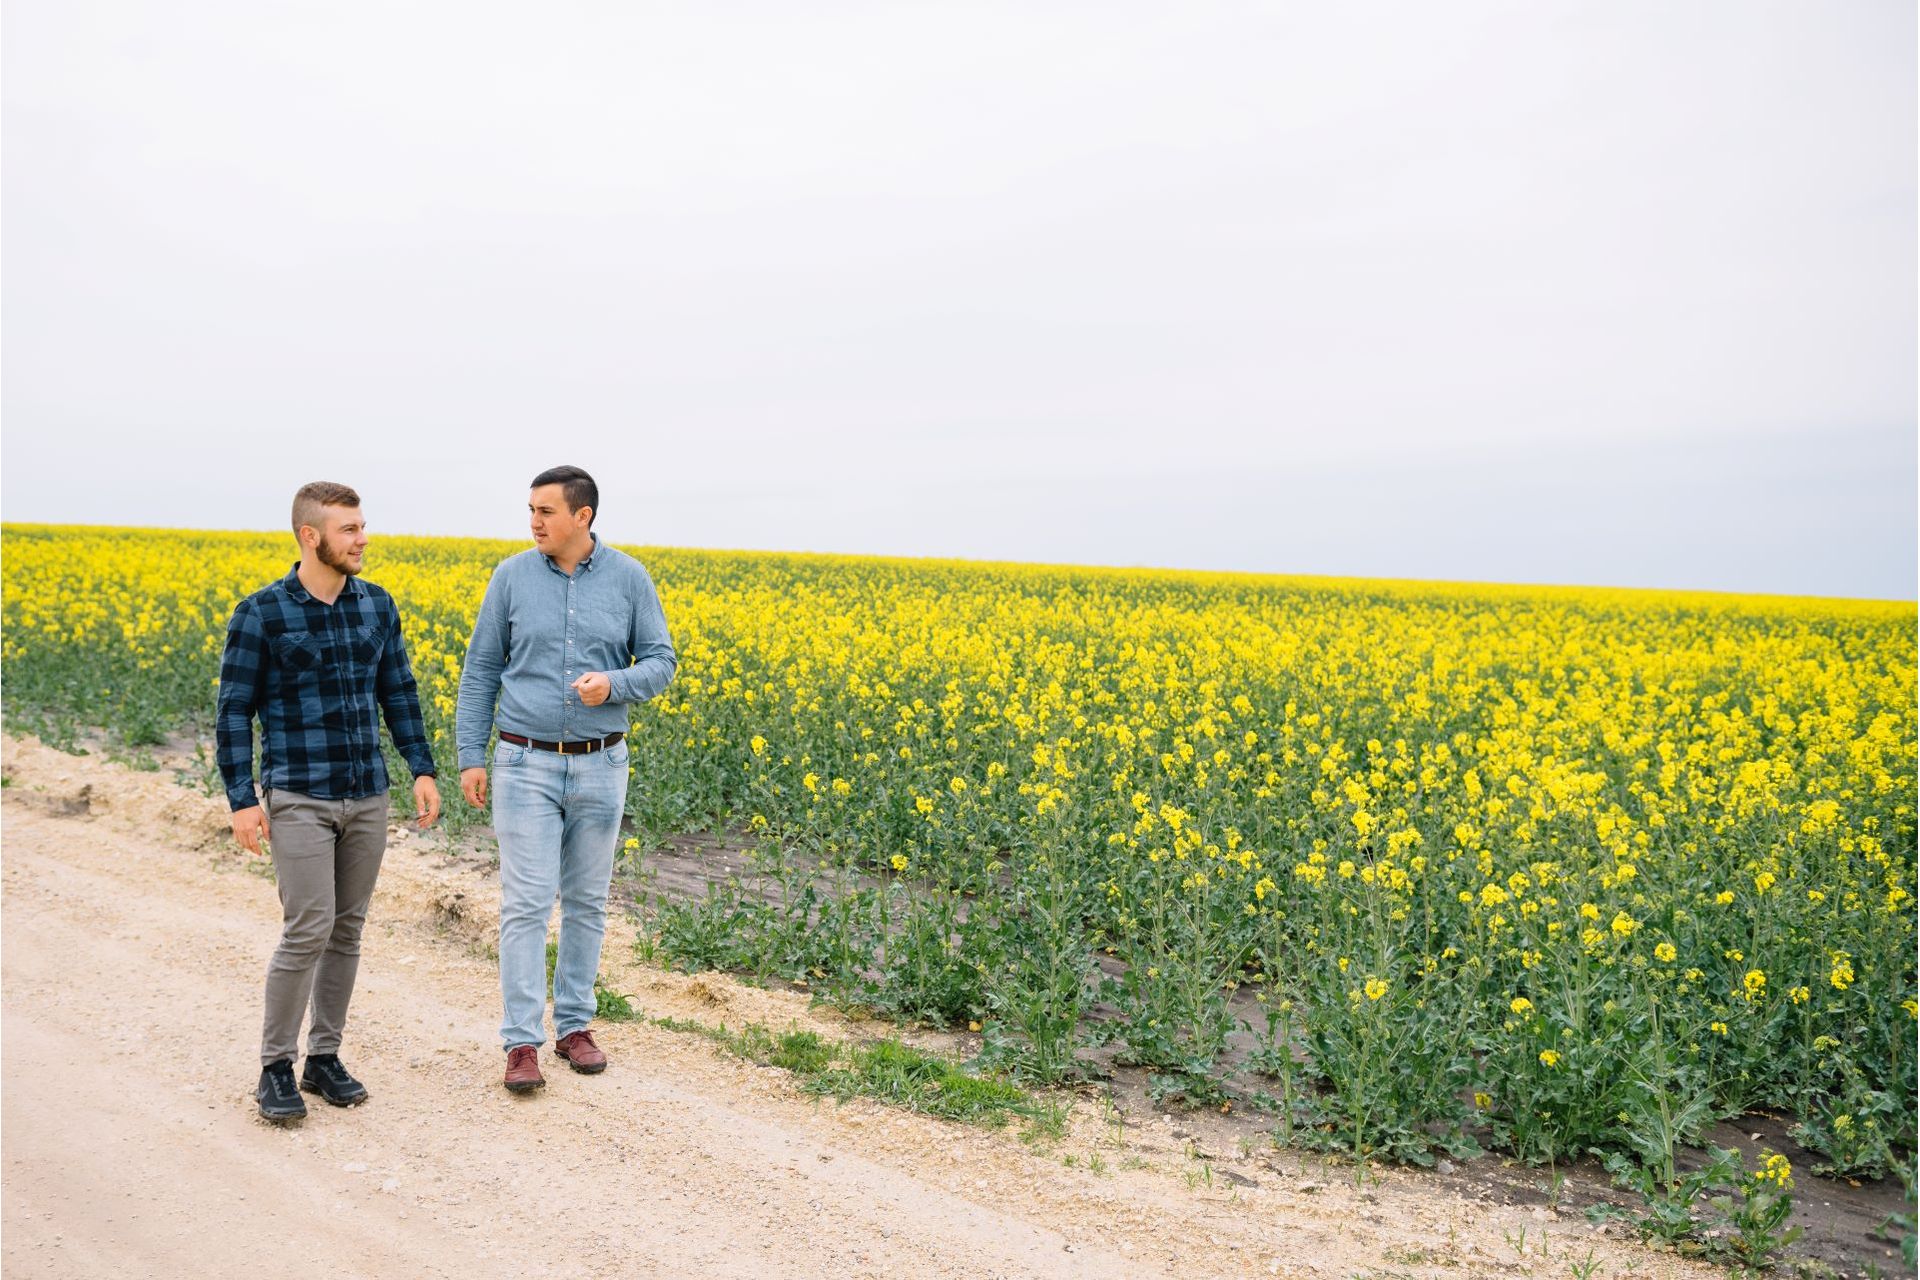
{"x": 312, "y": 497}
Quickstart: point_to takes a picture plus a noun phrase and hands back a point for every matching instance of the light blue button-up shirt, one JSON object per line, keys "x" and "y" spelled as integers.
{"x": 539, "y": 630}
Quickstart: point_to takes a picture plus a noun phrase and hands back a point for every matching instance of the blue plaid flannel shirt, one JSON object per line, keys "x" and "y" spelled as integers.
{"x": 317, "y": 676}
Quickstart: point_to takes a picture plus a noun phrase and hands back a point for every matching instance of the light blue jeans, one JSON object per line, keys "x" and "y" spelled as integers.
{"x": 557, "y": 819}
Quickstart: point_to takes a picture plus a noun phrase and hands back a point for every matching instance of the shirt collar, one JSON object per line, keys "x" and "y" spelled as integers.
{"x": 586, "y": 562}
{"x": 298, "y": 589}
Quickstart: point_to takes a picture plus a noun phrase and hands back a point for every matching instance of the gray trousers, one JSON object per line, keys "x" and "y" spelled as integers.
{"x": 326, "y": 856}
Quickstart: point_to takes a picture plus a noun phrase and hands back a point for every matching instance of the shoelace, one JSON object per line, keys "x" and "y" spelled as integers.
{"x": 283, "y": 1086}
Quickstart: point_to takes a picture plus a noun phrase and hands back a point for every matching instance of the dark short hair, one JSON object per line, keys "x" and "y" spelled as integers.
{"x": 321, "y": 493}
{"x": 577, "y": 485}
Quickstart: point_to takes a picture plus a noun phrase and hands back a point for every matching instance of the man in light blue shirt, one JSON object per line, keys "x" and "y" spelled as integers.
{"x": 569, "y": 635}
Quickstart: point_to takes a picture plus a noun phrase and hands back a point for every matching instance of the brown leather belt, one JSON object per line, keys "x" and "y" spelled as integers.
{"x": 562, "y": 748}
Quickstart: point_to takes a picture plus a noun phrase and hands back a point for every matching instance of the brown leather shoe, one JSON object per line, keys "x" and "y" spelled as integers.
{"x": 523, "y": 1069}
{"x": 581, "y": 1053}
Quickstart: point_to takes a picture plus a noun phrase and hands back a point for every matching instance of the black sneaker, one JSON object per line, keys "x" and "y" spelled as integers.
{"x": 324, "y": 1075}
{"x": 278, "y": 1098}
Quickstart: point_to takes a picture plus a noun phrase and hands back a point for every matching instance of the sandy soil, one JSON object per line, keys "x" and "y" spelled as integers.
{"x": 135, "y": 944}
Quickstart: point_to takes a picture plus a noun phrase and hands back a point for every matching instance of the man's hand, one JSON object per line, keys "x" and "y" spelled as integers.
{"x": 250, "y": 828}
{"x": 426, "y": 800}
{"x": 473, "y": 785}
{"x": 593, "y": 687}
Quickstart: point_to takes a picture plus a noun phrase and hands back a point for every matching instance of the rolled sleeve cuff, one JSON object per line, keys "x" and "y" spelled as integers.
{"x": 242, "y": 797}
{"x": 473, "y": 758}
{"x": 637, "y": 683}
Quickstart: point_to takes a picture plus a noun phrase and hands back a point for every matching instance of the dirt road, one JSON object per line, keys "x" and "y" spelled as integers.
{"x": 135, "y": 944}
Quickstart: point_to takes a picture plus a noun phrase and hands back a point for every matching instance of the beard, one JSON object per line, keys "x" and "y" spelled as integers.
{"x": 335, "y": 560}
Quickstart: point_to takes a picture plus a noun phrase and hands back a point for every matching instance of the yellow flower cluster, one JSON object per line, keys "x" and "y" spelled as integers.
{"x": 1775, "y": 1171}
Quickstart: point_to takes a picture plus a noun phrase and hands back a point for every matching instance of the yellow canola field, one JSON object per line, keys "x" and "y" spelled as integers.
{"x": 1470, "y": 848}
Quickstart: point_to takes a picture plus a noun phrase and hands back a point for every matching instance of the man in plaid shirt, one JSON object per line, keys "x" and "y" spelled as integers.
{"x": 317, "y": 656}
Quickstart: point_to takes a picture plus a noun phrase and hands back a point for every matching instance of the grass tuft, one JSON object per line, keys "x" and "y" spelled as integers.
{"x": 887, "y": 1071}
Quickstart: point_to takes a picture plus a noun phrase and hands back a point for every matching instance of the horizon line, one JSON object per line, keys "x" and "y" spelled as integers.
{"x": 1327, "y": 579}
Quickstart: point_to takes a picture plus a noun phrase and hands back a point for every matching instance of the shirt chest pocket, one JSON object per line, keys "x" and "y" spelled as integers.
{"x": 606, "y": 621}
{"x": 297, "y": 652}
{"x": 367, "y": 642}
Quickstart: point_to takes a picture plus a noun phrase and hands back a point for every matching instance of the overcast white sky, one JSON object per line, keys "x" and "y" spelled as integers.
{"x": 1605, "y": 293}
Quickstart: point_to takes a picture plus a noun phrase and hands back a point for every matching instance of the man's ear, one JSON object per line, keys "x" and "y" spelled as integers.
{"x": 584, "y": 513}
